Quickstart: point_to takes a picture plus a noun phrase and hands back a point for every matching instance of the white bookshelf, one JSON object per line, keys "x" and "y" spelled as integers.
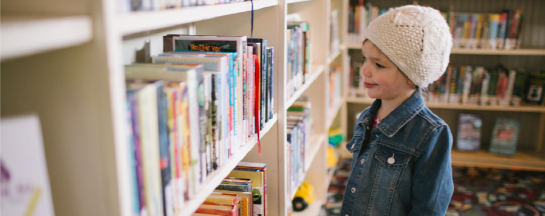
{"x": 25, "y": 35}
{"x": 216, "y": 177}
{"x": 319, "y": 69}
{"x": 141, "y": 21}
{"x": 516, "y": 52}
{"x": 71, "y": 73}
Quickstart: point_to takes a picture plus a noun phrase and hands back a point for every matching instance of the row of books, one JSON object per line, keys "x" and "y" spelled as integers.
{"x": 484, "y": 30}
{"x": 335, "y": 85}
{"x": 359, "y": 17}
{"x": 334, "y": 31}
{"x": 356, "y": 87}
{"x": 243, "y": 192}
{"x": 127, "y": 6}
{"x": 488, "y": 86}
{"x": 494, "y": 31}
{"x": 504, "y": 136}
{"x": 299, "y": 129}
{"x": 190, "y": 111}
{"x": 299, "y": 59}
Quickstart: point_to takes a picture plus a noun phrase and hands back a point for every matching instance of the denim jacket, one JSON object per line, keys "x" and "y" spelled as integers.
{"x": 405, "y": 169}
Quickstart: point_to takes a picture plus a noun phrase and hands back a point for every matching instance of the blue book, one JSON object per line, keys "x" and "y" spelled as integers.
{"x": 270, "y": 82}
{"x": 505, "y": 136}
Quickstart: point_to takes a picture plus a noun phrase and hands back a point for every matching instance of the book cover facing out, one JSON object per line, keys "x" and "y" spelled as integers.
{"x": 469, "y": 132}
{"x": 505, "y": 136}
{"x": 24, "y": 177}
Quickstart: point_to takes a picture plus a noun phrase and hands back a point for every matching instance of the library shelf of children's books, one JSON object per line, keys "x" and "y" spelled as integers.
{"x": 490, "y": 41}
{"x": 18, "y": 34}
{"x": 95, "y": 92}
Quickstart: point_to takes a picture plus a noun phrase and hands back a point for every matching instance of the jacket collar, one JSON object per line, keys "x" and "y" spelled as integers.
{"x": 394, "y": 121}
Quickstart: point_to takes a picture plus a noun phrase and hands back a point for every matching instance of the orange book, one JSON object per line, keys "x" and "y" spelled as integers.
{"x": 218, "y": 209}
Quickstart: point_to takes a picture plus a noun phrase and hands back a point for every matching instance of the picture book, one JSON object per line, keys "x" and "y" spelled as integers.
{"x": 469, "y": 132}
{"x": 505, "y": 135}
{"x": 25, "y": 179}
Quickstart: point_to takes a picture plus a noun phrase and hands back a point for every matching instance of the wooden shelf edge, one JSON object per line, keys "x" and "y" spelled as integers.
{"x": 19, "y": 34}
{"x": 335, "y": 113}
{"x": 140, "y": 21}
{"x": 335, "y": 54}
{"x": 531, "y": 52}
{"x": 312, "y": 210}
{"x": 536, "y": 52}
{"x": 433, "y": 105}
{"x": 521, "y": 161}
{"x": 296, "y": 1}
{"x": 319, "y": 70}
{"x": 316, "y": 138}
{"x": 218, "y": 175}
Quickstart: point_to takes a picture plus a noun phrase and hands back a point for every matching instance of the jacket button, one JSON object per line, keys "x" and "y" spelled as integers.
{"x": 376, "y": 135}
{"x": 362, "y": 161}
{"x": 353, "y": 190}
{"x": 367, "y": 127}
{"x": 346, "y": 215}
{"x": 353, "y": 146}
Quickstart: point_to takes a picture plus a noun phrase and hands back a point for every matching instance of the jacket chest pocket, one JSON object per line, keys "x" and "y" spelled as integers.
{"x": 390, "y": 166}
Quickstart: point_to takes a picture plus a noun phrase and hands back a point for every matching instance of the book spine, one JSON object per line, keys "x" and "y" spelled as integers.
{"x": 484, "y": 89}
{"x": 453, "y": 99}
{"x": 163, "y": 141}
{"x": 493, "y": 31}
{"x": 518, "y": 89}
{"x": 467, "y": 78}
{"x": 133, "y": 162}
{"x": 502, "y": 29}
{"x": 271, "y": 82}
{"x": 148, "y": 114}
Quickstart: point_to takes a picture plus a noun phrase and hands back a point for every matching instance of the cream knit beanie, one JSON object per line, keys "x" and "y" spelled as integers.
{"x": 417, "y": 39}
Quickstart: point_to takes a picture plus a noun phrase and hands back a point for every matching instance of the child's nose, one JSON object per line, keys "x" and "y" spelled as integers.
{"x": 365, "y": 71}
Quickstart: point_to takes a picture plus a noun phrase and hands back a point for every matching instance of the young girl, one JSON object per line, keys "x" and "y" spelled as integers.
{"x": 401, "y": 150}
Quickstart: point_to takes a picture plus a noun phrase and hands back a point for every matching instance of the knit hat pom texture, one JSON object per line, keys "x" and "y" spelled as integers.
{"x": 417, "y": 39}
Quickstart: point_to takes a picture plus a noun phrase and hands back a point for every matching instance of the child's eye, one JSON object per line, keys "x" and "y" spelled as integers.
{"x": 380, "y": 66}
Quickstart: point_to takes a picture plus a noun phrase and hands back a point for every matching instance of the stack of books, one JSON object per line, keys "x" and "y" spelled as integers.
{"x": 190, "y": 111}
{"x": 499, "y": 86}
{"x": 127, "y": 6}
{"x": 299, "y": 130}
{"x": 299, "y": 58}
{"x": 243, "y": 192}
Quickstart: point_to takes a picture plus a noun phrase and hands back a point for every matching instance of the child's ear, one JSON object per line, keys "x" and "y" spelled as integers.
{"x": 410, "y": 82}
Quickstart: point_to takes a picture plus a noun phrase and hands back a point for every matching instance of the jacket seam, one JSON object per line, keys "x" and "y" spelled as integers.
{"x": 403, "y": 122}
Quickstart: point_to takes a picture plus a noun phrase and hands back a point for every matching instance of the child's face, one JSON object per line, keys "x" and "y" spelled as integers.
{"x": 382, "y": 78}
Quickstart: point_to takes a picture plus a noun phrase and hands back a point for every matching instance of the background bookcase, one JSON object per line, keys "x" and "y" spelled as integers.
{"x": 71, "y": 74}
{"x": 530, "y": 153}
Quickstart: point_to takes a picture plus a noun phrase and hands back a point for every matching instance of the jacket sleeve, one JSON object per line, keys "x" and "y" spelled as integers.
{"x": 432, "y": 185}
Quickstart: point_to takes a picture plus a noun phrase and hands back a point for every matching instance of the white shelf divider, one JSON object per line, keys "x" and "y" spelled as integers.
{"x": 23, "y": 36}
{"x": 334, "y": 113}
{"x": 218, "y": 175}
{"x": 530, "y": 52}
{"x": 313, "y": 150}
{"x": 141, "y": 21}
{"x": 296, "y": 1}
{"x": 335, "y": 54}
{"x": 338, "y": 153}
{"x": 319, "y": 69}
